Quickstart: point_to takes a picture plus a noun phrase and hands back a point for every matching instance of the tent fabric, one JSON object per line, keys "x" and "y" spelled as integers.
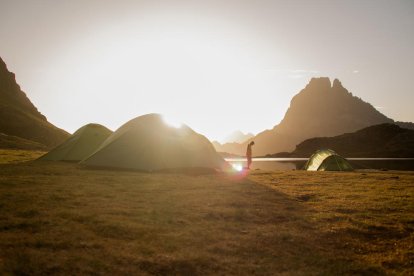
{"x": 147, "y": 143}
{"x": 80, "y": 145}
{"x": 327, "y": 160}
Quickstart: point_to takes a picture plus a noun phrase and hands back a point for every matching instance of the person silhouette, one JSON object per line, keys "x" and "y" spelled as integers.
{"x": 249, "y": 154}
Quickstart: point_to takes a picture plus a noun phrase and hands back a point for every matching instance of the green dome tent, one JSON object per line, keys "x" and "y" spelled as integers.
{"x": 80, "y": 145}
{"x": 147, "y": 143}
{"x": 327, "y": 160}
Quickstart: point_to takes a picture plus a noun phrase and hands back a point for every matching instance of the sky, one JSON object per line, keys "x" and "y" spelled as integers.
{"x": 217, "y": 66}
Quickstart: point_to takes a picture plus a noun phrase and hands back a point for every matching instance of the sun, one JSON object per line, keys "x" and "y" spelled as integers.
{"x": 171, "y": 121}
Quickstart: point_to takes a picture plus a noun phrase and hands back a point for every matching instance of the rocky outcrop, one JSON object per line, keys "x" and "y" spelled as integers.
{"x": 20, "y": 118}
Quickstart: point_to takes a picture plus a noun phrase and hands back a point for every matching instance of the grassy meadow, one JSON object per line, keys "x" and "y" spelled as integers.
{"x": 14, "y": 156}
{"x": 59, "y": 218}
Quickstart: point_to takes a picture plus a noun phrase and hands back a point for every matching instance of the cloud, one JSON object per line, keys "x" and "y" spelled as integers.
{"x": 355, "y": 71}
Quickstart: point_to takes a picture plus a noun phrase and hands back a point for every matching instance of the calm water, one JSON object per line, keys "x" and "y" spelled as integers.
{"x": 405, "y": 164}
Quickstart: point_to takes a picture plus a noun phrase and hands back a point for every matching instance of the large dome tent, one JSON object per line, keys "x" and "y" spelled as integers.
{"x": 148, "y": 143}
{"x": 327, "y": 160}
{"x": 79, "y": 145}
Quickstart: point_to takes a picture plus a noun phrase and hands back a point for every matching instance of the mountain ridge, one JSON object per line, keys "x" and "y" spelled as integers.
{"x": 237, "y": 137}
{"x": 320, "y": 109}
{"x": 20, "y": 118}
{"x": 383, "y": 140}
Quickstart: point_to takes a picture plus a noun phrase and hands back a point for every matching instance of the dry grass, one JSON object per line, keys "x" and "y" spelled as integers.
{"x": 370, "y": 215}
{"x": 14, "y": 156}
{"x": 60, "y": 219}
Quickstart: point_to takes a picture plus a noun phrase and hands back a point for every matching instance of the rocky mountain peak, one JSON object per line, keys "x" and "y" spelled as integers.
{"x": 337, "y": 84}
{"x": 324, "y": 110}
{"x": 321, "y": 109}
{"x": 322, "y": 84}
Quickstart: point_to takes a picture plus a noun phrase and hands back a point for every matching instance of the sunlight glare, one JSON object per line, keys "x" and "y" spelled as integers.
{"x": 237, "y": 167}
{"x": 170, "y": 69}
{"x": 172, "y": 122}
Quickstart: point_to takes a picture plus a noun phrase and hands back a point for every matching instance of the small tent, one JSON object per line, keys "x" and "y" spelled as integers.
{"x": 327, "y": 160}
{"x": 80, "y": 145}
{"x": 148, "y": 143}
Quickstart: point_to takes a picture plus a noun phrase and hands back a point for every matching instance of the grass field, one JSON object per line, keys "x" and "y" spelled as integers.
{"x": 58, "y": 218}
{"x": 14, "y": 156}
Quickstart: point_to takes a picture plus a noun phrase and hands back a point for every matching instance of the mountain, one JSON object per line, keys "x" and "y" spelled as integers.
{"x": 384, "y": 140}
{"x": 320, "y": 109}
{"x": 20, "y": 118}
{"x": 237, "y": 137}
{"x": 405, "y": 125}
{"x": 231, "y": 147}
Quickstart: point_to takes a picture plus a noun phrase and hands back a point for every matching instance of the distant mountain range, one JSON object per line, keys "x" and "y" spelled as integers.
{"x": 384, "y": 140}
{"x": 21, "y": 124}
{"x": 237, "y": 137}
{"x": 321, "y": 109}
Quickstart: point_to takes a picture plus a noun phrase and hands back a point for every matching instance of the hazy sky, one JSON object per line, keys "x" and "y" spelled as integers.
{"x": 216, "y": 65}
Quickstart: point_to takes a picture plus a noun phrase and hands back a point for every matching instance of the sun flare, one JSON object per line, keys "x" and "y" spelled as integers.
{"x": 237, "y": 167}
{"x": 172, "y": 122}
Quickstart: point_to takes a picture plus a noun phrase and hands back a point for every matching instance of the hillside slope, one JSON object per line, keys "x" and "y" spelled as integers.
{"x": 384, "y": 140}
{"x": 14, "y": 142}
{"x": 19, "y": 117}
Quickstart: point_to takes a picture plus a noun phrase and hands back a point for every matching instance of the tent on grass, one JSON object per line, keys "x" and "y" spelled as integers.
{"x": 148, "y": 143}
{"x": 80, "y": 145}
{"x": 327, "y": 160}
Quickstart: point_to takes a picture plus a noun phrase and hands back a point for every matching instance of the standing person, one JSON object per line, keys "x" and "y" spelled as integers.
{"x": 249, "y": 154}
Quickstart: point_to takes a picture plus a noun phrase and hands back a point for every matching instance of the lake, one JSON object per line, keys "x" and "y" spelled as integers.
{"x": 404, "y": 164}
